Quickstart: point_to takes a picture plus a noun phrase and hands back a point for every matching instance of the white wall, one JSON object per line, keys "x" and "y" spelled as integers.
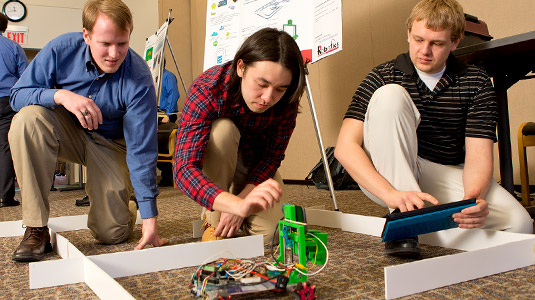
{"x": 46, "y": 19}
{"x": 145, "y": 14}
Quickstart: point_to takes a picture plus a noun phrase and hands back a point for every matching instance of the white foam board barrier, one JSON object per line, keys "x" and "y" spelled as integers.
{"x": 450, "y": 269}
{"x": 177, "y": 256}
{"x": 507, "y": 251}
{"x": 99, "y": 271}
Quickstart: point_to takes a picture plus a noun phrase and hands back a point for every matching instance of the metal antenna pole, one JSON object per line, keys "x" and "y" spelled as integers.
{"x": 172, "y": 53}
{"x": 320, "y": 141}
{"x": 176, "y": 65}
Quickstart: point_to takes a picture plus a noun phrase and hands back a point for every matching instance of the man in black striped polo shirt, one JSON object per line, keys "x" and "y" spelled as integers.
{"x": 422, "y": 126}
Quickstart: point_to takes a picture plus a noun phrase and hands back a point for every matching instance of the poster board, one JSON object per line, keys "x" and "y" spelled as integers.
{"x": 316, "y": 26}
{"x": 154, "y": 51}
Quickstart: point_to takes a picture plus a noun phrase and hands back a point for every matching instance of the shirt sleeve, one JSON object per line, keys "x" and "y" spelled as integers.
{"x": 194, "y": 131}
{"x": 22, "y": 61}
{"x": 482, "y": 113}
{"x": 140, "y": 126}
{"x": 359, "y": 104}
{"x": 36, "y": 86}
{"x": 272, "y": 155}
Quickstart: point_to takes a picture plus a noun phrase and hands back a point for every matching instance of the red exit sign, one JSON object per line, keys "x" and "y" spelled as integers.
{"x": 19, "y": 37}
{"x": 19, "y": 34}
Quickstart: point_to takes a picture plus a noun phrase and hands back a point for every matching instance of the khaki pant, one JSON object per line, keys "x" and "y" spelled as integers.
{"x": 39, "y": 137}
{"x": 390, "y": 141}
{"x": 225, "y": 167}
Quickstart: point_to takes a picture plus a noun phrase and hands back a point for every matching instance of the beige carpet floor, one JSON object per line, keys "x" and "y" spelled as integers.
{"x": 354, "y": 271}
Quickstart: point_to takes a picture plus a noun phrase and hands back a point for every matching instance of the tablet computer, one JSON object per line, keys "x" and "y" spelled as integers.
{"x": 425, "y": 220}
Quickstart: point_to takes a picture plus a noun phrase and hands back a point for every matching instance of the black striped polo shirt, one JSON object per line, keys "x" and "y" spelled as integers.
{"x": 463, "y": 104}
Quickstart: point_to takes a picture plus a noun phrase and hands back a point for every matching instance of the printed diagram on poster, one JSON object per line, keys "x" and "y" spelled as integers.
{"x": 154, "y": 51}
{"x": 315, "y": 25}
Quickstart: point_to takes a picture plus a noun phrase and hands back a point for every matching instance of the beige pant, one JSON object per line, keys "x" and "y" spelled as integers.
{"x": 390, "y": 141}
{"x": 38, "y": 138}
{"x": 224, "y": 166}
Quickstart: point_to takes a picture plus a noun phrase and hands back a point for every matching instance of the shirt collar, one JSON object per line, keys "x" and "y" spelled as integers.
{"x": 89, "y": 65}
{"x": 453, "y": 65}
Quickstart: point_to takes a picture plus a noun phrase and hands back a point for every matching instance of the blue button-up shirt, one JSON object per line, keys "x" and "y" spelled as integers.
{"x": 169, "y": 94}
{"x": 13, "y": 61}
{"x": 127, "y": 99}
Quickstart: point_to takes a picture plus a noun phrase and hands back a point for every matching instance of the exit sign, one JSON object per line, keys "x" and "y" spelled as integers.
{"x": 19, "y": 34}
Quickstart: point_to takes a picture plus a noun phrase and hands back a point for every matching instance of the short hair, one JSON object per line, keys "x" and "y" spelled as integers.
{"x": 114, "y": 9}
{"x": 273, "y": 45}
{"x": 3, "y": 22}
{"x": 440, "y": 15}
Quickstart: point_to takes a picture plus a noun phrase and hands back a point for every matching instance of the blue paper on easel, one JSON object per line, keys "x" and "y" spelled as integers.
{"x": 422, "y": 221}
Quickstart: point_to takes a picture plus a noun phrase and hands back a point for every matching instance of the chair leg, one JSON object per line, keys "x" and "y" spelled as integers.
{"x": 524, "y": 177}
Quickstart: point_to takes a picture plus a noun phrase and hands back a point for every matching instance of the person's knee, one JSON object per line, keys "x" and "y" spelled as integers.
{"x": 505, "y": 212}
{"x": 224, "y": 134}
{"x": 265, "y": 224}
{"x": 221, "y": 154}
{"x": 112, "y": 235}
{"x": 391, "y": 98}
{"x": 521, "y": 223}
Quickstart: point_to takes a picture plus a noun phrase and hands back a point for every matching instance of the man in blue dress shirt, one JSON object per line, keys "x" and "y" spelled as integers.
{"x": 169, "y": 95}
{"x": 14, "y": 62}
{"x": 89, "y": 99}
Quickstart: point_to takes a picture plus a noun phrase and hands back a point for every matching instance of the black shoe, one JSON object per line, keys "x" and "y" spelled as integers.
{"x": 83, "y": 202}
{"x": 9, "y": 202}
{"x": 35, "y": 244}
{"x": 405, "y": 248}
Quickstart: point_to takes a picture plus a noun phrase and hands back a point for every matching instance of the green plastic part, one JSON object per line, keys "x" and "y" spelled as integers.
{"x": 294, "y": 237}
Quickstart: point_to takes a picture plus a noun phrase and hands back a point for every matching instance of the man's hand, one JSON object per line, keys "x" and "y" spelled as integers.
{"x": 262, "y": 197}
{"x": 85, "y": 110}
{"x": 165, "y": 119}
{"x": 150, "y": 235}
{"x": 473, "y": 216}
{"x": 407, "y": 201}
{"x": 229, "y": 225}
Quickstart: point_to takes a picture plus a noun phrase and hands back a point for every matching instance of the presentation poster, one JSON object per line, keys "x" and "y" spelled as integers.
{"x": 316, "y": 26}
{"x": 154, "y": 51}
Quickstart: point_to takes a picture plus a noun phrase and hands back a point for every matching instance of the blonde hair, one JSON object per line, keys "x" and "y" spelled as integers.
{"x": 114, "y": 9}
{"x": 439, "y": 15}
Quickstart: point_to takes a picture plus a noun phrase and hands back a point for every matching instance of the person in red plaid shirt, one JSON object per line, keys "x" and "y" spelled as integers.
{"x": 233, "y": 132}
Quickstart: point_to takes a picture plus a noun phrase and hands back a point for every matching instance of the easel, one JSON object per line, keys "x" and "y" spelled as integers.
{"x": 320, "y": 140}
{"x": 160, "y": 71}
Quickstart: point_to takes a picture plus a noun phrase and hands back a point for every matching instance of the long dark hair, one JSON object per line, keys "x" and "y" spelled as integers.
{"x": 274, "y": 45}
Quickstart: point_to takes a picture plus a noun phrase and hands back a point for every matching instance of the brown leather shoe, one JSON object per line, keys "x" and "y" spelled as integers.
{"x": 35, "y": 244}
{"x": 9, "y": 202}
{"x": 208, "y": 233}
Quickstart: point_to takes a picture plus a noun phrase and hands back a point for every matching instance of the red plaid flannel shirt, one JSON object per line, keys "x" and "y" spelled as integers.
{"x": 264, "y": 137}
